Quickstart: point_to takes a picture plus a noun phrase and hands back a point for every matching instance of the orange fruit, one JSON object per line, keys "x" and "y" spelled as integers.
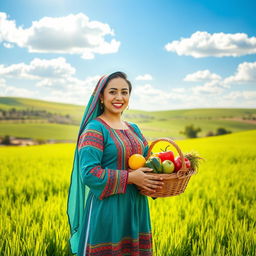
{"x": 136, "y": 161}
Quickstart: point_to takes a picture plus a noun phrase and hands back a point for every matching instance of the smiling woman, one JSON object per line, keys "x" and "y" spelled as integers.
{"x": 115, "y": 95}
{"x": 107, "y": 214}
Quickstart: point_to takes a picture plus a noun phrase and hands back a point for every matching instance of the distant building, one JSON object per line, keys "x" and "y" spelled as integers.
{"x": 23, "y": 142}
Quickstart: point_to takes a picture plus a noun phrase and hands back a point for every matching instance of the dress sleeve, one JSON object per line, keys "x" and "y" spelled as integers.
{"x": 103, "y": 182}
{"x": 145, "y": 142}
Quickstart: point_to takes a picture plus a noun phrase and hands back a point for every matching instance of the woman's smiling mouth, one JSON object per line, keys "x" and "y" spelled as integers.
{"x": 117, "y": 105}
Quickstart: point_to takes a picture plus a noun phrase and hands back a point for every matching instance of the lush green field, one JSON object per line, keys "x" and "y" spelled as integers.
{"x": 44, "y": 131}
{"x": 172, "y": 128}
{"x": 168, "y": 123}
{"x": 26, "y": 103}
{"x": 215, "y": 216}
{"x": 151, "y": 130}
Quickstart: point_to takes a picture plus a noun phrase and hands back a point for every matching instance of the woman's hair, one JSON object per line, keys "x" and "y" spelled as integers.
{"x": 116, "y": 75}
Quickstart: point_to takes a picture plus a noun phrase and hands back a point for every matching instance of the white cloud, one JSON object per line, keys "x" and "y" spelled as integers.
{"x": 246, "y": 95}
{"x": 75, "y": 91}
{"x": 180, "y": 89}
{"x": 72, "y": 34}
{"x": 53, "y": 78}
{"x": 145, "y": 77}
{"x": 148, "y": 97}
{"x": 7, "y": 45}
{"x": 203, "y": 44}
{"x": 246, "y": 72}
{"x": 212, "y": 87}
{"x": 8, "y": 90}
{"x": 2, "y": 83}
{"x": 38, "y": 69}
{"x": 201, "y": 75}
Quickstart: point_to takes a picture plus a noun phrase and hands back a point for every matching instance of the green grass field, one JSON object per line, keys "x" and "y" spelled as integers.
{"x": 215, "y": 216}
{"x": 168, "y": 123}
{"x": 44, "y": 131}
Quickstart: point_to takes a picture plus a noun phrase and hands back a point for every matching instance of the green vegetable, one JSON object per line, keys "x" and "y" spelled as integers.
{"x": 156, "y": 161}
{"x": 155, "y": 164}
{"x": 149, "y": 164}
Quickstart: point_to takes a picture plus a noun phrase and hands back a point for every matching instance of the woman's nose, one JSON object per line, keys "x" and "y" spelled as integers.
{"x": 119, "y": 96}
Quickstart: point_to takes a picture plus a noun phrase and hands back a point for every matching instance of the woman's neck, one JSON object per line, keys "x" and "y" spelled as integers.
{"x": 114, "y": 118}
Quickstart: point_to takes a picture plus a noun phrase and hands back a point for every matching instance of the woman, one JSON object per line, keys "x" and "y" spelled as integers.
{"x": 107, "y": 214}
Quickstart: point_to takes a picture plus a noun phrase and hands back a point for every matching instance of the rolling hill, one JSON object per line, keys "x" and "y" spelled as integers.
{"x": 44, "y": 120}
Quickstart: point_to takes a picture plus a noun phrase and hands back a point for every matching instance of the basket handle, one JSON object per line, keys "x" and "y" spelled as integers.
{"x": 183, "y": 168}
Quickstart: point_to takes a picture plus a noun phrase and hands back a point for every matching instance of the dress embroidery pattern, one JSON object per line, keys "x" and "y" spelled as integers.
{"x": 127, "y": 144}
{"x": 113, "y": 187}
{"x": 116, "y": 180}
{"x": 98, "y": 172}
{"x": 92, "y": 138}
{"x": 127, "y": 246}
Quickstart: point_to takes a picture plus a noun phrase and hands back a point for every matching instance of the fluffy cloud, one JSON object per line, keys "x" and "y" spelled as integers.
{"x": 8, "y": 90}
{"x": 72, "y": 34}
{"x": 38, "y": 69}
{"x": 212, "y": 83}
{"x": 145, "y": 77}
{"x": 148, "y": 97}
{"x": 74, "y": 91}
{"x": 246, "y": 72}
{"x": 247, "y": 95}
{"x": 212, "y": 87}
{"x": 201, "y": 75}
{"x": 179, "y": 89}
{"x": 53, "y": 78}
{"x": 203, "y": 44}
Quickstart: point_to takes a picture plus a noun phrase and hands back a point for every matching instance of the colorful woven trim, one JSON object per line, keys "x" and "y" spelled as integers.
{"x": 92, "y": 138}
{"x": 98, "y": 172}
{"x": 127, "y": 246}
{"x": 116, "y": 183}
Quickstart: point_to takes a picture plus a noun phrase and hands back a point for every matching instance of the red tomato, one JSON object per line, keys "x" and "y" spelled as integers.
{"x": 178, "y": 163}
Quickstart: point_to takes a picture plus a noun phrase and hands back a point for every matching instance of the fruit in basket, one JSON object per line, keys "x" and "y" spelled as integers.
{"x": 194, "y": 159}
{"x": 155, "y": 164}
{"x": 178, "y": 163}
{"x": 168, "y": 166}
{"x": 166, "y": 155}
{"x": 136, "y": 161}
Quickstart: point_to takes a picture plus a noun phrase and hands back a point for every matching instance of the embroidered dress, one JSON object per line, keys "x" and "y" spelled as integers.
{"x": 116, "y": 220}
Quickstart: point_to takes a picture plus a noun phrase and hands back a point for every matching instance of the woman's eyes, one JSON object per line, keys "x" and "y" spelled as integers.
{"x": 113, "y": 92}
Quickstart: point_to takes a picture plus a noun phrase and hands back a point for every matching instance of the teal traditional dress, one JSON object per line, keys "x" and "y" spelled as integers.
{"x": 116, "y": 220}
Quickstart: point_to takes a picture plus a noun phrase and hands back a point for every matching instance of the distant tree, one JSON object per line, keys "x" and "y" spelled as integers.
{"x": 6, "y": 140}
{"x": 221, "y": 131}
{"x": 40, "y": 141}
{"x": 210, "y": 133}
{"x": 190, "y": 131}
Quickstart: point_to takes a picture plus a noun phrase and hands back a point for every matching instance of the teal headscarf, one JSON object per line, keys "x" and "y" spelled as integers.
{"x": 78, "y": 192}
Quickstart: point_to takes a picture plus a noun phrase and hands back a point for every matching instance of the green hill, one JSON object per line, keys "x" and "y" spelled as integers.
{"x": 46, "y": 120}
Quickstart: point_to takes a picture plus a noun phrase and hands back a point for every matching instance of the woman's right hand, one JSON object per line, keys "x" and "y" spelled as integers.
{"x": 146, "y": 181}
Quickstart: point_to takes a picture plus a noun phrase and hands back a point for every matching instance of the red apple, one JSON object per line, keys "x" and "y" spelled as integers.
{"x": 178, "y": 163}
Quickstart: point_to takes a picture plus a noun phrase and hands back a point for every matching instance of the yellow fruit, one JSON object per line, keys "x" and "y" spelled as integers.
{"x": 136, "y": 161}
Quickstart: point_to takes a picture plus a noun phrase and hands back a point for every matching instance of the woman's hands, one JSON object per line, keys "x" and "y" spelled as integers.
{"x": 148, "y": 182}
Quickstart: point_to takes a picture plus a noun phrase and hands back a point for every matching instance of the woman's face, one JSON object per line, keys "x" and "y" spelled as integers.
{"x": 116, "y": 95}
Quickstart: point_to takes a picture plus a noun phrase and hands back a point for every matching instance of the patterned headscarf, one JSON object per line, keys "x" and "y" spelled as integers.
{"x": 78, "y": 192}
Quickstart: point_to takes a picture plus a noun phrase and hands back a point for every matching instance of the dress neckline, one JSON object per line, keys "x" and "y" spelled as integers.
{"x": 98, "y": 118}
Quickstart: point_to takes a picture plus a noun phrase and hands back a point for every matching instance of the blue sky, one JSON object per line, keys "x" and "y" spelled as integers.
{"x": 177, "y": 54}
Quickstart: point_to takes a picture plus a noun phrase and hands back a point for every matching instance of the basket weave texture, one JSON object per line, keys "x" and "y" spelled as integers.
{"x": 174, "y": 183}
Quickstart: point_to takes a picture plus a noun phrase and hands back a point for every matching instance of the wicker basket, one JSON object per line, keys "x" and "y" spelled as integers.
{"x": 174, "y": 183}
